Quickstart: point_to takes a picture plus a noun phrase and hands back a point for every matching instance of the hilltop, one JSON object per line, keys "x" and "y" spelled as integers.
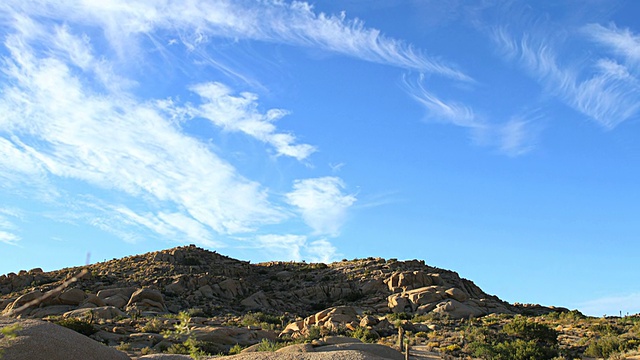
{"x": 194, "y": 301}
{"x": 191, "y": 277}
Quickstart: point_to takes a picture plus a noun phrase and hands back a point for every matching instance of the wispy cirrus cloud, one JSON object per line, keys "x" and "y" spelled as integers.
{"x": 67, "y": 129}
{"x": 8, "y": 230}
{"x": 239, "y": 113}
{"x": 195, "y": 23}
{"x": 603, "y": 89}
{"x": 514, "y": 137}
{"x": 322, "y": 203}
{"x": 623, "y": 42}
{"x": 67, "y": 114}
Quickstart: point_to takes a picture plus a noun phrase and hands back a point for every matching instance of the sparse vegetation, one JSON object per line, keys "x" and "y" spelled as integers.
{"x": 83, "y": 327}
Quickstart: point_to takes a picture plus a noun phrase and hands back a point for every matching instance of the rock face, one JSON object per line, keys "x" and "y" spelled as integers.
{"x": 41, "y": 340}
{"x": 188, "y": 277}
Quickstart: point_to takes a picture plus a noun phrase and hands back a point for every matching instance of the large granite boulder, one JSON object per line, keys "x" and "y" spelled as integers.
{"x": 39, "y": 340}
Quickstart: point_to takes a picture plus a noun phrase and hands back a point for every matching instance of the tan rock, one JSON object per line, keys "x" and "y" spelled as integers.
{"x": 22, "y": 300}
{"x": 457, "y": 294}
{"x": 103, "y": 312}
{"x": 147, "y": 300}
{"x": 42, "y": 340}
{"x": 72, "y": 297}
{"x": 457, "y": 310}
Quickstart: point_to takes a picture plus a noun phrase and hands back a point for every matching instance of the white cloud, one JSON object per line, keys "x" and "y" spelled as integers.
{"x": 321, "y": 251}
{"x": 622, "y": 41}
{"x": 514, "y": 138}
{"x": 285, "y": 247}
{"x": 296, "y": 247}
{"x": 239, "y": 113}
{"x": 607, "y": 92}
{"x": 439, "y": 110}
{"x": 322, "y": 203}
{"x": 196, "y": 22}
{"x": 7, "y": 228}
{"x": 108, "y": 139}
{"x": 612, "y": 305}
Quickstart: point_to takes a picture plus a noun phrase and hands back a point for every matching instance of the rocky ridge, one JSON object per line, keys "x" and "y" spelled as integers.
{"x": 218, "y": 291}
{"x": 189, "y": 277}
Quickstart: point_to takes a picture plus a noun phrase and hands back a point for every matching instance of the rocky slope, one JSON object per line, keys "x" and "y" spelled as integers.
{"x": 134, "y": 301}
{"x": 189, "y": 277}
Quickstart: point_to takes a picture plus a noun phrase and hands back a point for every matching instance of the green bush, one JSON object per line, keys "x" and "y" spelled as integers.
{"x": 266, "y": 345}
{"x": 189, "y": 347}
{"x": 259, "y": 318}
{"x": 364, "y": 334}
{"x": 519, "y": 339}
{"x": 81, "y": 326}
{"x": 524, "y": 329}
{"x": 236, "y": 349}
{"x": 605, "y": 347}
{"x": 398, "y": 316}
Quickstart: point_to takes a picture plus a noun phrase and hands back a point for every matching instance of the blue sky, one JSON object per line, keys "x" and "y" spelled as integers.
{"x": 494, "y": 138}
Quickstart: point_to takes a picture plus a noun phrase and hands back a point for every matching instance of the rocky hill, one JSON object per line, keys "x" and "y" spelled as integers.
{"x": 190, "y": 277}
{"x": 131, "y": 300}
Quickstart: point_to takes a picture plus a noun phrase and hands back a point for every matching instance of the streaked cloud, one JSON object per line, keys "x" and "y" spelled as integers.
{"x": 65, "y": 128}
{"x": 239, "y": 113}
{"x": 623, "y": 42}
{"x": 514, "y": 137}
{"x": 281, "y": 246}
{"x": 197, "y": 22}
{"x": 604, "y": 89}
{"x": 8, "y": 230}
{"x": 440, "y": 110}
{"x": 322, "y": 203}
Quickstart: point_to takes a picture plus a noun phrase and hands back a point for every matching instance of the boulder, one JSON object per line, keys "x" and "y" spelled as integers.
{"x": 53, "y": 310}
{"x": 146, "y": 300}
{"x": 118, "y": 297}
{"x": 457, "y": 310}
{"x": 407, "y": 280}
{"x": 42, "y": 340}
{"x": 103, "y": 312}
{"x": 22, "y": 300}
{"x": 71, "y": 297}
{"x": 457, "y": 294}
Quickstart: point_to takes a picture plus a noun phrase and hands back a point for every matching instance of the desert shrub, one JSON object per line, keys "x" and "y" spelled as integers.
{"x": 235, "y": 349}
{"x": 259, "y": 318}
{"x": 11, "y": 331}
{"x": 183, "y": 326}
{"x": 422, "y": 334}
{"x": 522, "y": 350}
{"x": 519, "y": 339}
{"x": 189, "y": 347}
{"x": 81, "y": 326}
{"x": 266, "y": 345}
{"x": 123, "y": 346}
{"x": 398, "y": 316}
{"x": 196, "y": 312}
{"x": 451, "y": 348}
{"x": 605, "y": 346}
{"x": 572, "y": 316}
{"x": 524, "y": 329}
{"x": 313, "y": 333}
{"x": 364, "y": 334}
{"x": 604, "y": 329}
{"x": 152, "y": 326}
